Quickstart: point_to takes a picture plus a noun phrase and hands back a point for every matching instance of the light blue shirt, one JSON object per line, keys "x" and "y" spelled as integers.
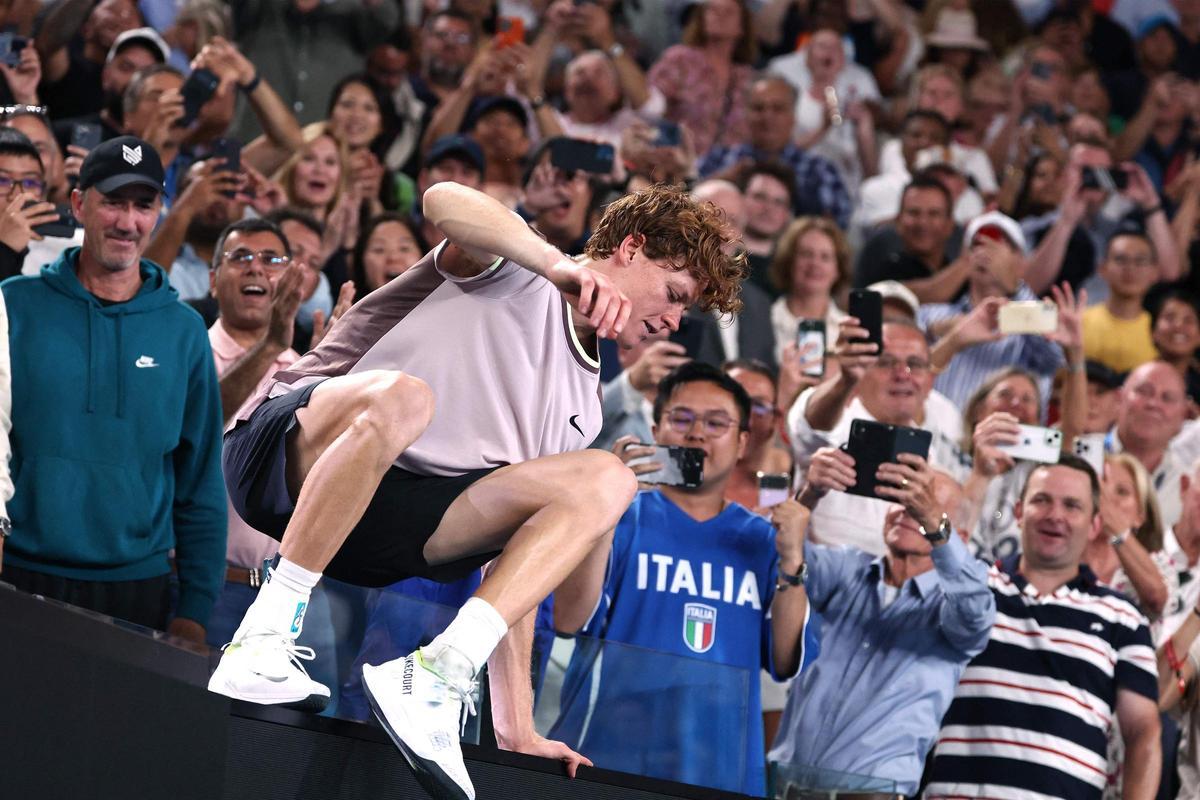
{"x": 872, "y": 702}
{"x": 189, "y": 274}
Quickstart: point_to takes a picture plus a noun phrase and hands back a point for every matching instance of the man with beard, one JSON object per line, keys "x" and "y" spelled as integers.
{"x": 72, "y": 66}
{"x": 185, "y": 242}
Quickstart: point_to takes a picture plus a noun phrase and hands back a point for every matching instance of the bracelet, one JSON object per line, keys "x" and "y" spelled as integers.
{"x": 1150, "y": 212}
{"x": 1076, "y": 367}
{"x": 249, "y": 88}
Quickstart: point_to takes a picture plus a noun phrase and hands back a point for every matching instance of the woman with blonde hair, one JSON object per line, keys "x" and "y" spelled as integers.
{"x": 811, "y": 269}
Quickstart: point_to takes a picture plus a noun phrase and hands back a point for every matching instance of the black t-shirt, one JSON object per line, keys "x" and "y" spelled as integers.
{"x": 1079, "y": 261}
{"x": 78, "y": 92}
{"x": 760, "y": 274}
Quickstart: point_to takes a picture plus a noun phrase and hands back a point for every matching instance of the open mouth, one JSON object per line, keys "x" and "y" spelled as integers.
{"x": 254, "y": 291}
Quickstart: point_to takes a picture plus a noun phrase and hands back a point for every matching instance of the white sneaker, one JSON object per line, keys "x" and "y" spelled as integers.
{"x": 264, "y": 667}
{"x": 420, "y": 709}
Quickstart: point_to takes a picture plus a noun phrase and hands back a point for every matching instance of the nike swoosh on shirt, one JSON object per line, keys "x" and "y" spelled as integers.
{"x": 575, "y": 425}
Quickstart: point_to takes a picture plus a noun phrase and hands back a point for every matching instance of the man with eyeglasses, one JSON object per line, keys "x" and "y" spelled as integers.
{"x": 681, "y": 555}
{"x": 117, "y": 435}
{"x": 22, "y": 209}
{"x": 897, "y": 631}
{"x": 1117, "y": 332}
{"x": 890, "y": 387}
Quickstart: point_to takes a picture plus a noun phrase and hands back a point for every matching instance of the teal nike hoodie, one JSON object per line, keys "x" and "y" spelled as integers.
{"x": 116, "y": 435}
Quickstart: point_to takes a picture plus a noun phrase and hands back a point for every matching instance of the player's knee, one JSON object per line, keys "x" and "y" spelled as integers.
{"x": 399, "y": 404}
{"x": 610, "y": 483}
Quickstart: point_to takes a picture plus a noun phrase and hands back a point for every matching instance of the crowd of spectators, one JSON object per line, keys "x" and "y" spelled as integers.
{"x": 984, "y": 625}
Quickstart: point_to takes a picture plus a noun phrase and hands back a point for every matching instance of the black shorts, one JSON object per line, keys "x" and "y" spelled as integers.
{"x": 386, "y": 545}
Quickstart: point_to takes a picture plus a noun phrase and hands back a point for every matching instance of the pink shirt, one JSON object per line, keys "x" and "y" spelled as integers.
{"x": 246, "y": 546}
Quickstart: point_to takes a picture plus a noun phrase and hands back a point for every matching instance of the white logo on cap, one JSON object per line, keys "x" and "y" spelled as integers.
{"x": 132, "y": 154}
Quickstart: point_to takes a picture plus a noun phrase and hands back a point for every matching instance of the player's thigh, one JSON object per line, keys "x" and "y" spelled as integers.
{"x": 336, "y": 403}
{"x": 592, "y": 483}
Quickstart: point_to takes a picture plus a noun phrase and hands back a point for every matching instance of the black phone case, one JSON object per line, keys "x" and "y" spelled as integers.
{"x": 867, "y": 307}
{"x": 874, "y": 443}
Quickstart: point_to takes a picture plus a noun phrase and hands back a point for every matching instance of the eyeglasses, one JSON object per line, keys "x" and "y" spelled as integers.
{"x": 242, "y": 258}
{"x": 761, "y": 409}
{"x": 715, "y": 425}
{"x": 31, "y": 185}
{"x": 453, "y": 38}
{"x": 913, "y": 364}
{"x": 1133, "y": 261}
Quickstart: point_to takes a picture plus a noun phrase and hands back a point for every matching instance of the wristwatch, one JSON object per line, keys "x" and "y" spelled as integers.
{"x": 786, "y": 580}
{"x": 939, "y": 534}
{"x": 1118, "y": 539}
{"x": 616, "y": 50}
{"x": 5, "y": 528}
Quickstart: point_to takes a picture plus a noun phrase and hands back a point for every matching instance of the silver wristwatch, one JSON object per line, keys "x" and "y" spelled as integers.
{"x": 5, "y": 528}
{"x": 940, "y": 534}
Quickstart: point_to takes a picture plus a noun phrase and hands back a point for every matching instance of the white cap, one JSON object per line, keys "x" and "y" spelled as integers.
{"x": 147, "y": 36}
{"x": 1009, "y": 226}
{"x": 895, "y": 290}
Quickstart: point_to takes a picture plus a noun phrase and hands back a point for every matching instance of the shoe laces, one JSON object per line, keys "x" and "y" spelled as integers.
{"x": 295, "y": 653}
{"x": 463, "y": 690}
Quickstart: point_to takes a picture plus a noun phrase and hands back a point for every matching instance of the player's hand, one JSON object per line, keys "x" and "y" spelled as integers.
{"x": 831, "y": 468}
{"x": 628, "y": 448}
{"x": 998, "y": 428}
{"x": 910, "y": 483}
{"x": 549, "y": 748}
{"x": 593, "y": 295}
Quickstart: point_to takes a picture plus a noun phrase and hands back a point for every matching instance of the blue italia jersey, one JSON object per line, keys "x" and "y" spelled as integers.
{"x": 682, "y": 703}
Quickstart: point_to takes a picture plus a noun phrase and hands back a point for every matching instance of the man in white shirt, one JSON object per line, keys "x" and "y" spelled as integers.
{"x": 890, "y": 387}
{"x": 1151, "y": 426}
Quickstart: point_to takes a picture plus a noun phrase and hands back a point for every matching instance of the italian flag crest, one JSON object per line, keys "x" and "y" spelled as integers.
{"x": 699, "y": 627}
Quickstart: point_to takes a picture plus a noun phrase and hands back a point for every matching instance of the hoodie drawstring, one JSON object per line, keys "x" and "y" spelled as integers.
{"x": 93, "y": 368}
{"x": 120, "y": 367}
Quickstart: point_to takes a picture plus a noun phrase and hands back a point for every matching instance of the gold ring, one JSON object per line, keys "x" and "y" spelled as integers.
{"x": 904, "y": 483}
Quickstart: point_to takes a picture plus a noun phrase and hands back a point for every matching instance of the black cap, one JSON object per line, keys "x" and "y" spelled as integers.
{"x": 1102, "y": 374}
{"x": 497, "y": 103}
{"x": 458, "y": 146}
{"x": 123, "y": 161}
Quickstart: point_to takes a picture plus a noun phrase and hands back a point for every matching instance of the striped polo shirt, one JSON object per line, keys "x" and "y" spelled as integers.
{"x": 1032, "y": 714}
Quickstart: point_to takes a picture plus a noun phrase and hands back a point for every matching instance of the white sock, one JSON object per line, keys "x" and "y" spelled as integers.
{"x": 282, "y": 600}
{"x": 473, "y": 635}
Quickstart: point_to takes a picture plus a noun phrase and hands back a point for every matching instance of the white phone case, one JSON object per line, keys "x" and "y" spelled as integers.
{"x": 1036, "y": 444}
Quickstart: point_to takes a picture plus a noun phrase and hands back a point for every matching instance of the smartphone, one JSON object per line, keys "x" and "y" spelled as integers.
{"x": 1090, "y": 447}
{"x": 64, "y": 227}
{"x": 1035, "y": 444}
{"x": 86, "y": 135}
{"x": 682, "y": 466}
{"x": 11, "y": 46}
{"x": 197, "y": 90}
{"x": 228, "y": 154}
{"x": 509, "y": 31}
{"x": 668, "y": 134}
{"x": 1110, "y": 180}
{"x": 867, "y": 307}
{"x": 572, "y": 155}
{"x": 689, "y": 334}
{"x": 773, "y": 488}
{"x": 810, "y": 341}
{"x": 1028, "y": 316}
{"x": 873, "y": 443}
